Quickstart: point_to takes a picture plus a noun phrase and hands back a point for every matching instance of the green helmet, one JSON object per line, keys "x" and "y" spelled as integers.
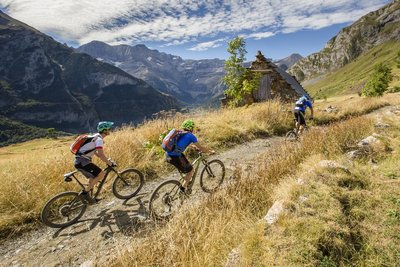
{"x": 188, "y": 125}
{"x": 104, "y": 125}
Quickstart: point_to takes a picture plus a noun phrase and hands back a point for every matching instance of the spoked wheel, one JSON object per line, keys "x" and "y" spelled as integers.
{"x": 166, "y": 199}
{"x": 212, "y": 175}
{"x": 63, "y": 210}
{"x": 128, "y": 183}
{"x": 291, "y": 136}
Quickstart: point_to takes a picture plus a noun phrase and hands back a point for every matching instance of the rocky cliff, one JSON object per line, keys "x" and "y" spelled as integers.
{"x": 372, "y": 29}
{"x": 191, "y": 81}
{"x": 47, "y": 84}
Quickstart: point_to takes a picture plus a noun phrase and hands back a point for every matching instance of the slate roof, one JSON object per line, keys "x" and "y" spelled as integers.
{"x": 291, "y": 80}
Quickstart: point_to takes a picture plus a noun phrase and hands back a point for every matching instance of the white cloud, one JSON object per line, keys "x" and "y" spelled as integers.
{"x": 258, "y": 35}
{"x": 207, "y": 45}
{"x": 176, "y": 42}
{"x": 175, "y": 22}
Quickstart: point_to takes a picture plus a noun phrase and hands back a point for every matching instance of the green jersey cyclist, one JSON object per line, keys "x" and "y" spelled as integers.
{"x": 178, "y": 159}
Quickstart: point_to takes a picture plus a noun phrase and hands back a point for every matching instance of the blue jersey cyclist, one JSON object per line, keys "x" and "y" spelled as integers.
{"x": 178, "y": 159}
{"x": 300, "y": 110}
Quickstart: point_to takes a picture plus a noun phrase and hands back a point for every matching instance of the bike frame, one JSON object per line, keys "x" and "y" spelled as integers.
{"x": 107, "y": 170}
{"x": 196, "y": 165}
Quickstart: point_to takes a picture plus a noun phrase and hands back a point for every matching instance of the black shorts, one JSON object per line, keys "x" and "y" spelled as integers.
{"x": 180, "y": 162}
{"x": 90, "y": 170}
{"x": 299, "y": 117}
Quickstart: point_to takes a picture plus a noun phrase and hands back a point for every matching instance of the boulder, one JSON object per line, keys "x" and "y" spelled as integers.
{"x": 274, "y": 212}
{"x": 330, "y": 164}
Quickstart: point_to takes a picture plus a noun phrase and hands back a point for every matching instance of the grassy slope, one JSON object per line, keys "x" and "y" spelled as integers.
{"x": 139, "y": 147}
{"x": 351, "y": 78}
{"x": 31, "y": 148}
{"x": 344, "y": 219}
{"x": 38, "y": 176}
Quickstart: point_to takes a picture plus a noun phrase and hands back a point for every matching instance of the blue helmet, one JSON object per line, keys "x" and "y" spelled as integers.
{"x": 104, "y": 125}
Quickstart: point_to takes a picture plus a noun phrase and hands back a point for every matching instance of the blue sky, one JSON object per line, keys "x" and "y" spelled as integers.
{"x": 194, "y": 29}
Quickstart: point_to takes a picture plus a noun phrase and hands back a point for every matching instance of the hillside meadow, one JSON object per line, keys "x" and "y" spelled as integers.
{"x": 32, "y": 172}
{"x": 350, "y": 79}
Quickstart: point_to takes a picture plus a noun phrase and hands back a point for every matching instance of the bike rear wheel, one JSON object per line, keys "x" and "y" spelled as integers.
{"x": 212, "y": 175}
{"x": 128, "y": 183}
{"x": 63, "y": 210}
{"x": 166, "y": 199}
{"x": 291, "y": 136}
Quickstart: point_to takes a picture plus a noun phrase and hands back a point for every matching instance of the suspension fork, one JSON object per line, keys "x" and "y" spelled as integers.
{"x": 205, "y": 162}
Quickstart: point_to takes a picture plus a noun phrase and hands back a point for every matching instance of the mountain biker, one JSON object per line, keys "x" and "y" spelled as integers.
{"x": 299, "y": 112}
{"x": 178, "y": 159}
{"x": 83, "y": 159}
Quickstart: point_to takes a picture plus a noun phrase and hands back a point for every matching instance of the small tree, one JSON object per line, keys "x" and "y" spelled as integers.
{"x": 51, "y": 133}
{"x": 379, "y": 81}
{"x": 238, "y": 79}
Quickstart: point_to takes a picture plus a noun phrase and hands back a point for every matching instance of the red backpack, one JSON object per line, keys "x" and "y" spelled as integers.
{"x": 81, "y": 141}
{"x": 169, "y": 143}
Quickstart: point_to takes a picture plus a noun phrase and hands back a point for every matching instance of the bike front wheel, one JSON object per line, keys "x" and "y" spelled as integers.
{"x": 291, "y": 136}
{"x": 63, "y": 210}
{"x": 166, "y": 199}
{"x": 212, "y": 175}
{"x": 127, "y": 183}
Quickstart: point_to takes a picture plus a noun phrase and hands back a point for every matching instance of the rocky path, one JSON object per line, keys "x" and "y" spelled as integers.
{"x": 110, "y": 224}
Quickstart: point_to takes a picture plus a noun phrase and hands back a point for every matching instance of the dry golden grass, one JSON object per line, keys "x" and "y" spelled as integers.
{"x": 343, "y": 219}
{"x": 204, "y": 235}
{"x": 31, "y": 178}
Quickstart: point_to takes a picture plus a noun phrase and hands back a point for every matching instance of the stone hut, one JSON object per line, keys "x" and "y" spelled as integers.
{"x": 274, "y": 83}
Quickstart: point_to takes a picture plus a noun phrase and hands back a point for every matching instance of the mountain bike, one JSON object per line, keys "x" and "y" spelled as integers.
{"x": 168, "y": 197}
{"x": 66, "y": 208}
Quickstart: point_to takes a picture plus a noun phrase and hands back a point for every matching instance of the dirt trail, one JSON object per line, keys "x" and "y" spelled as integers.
{"x": 110, "y": 224}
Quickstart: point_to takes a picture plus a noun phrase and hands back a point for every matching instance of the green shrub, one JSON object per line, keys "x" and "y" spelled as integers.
{"x": 379, "y": 81}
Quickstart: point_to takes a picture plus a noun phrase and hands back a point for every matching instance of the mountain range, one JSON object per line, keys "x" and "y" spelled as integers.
{"x": 190, "y": 81}
{"x": 47, "y": 84}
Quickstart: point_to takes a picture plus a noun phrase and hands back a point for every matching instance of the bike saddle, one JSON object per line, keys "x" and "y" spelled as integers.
{"x": 67, "y": 176}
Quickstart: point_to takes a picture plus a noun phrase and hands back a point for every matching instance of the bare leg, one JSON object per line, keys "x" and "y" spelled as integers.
{"x": 187, "y": 178}
{"x": 301, "y": 129}
{"x": 94, "y": 181}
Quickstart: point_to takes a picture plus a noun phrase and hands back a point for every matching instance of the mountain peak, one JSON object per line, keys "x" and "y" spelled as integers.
{"x": 96, "y": 43}
{"x": 288, "y": 61}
